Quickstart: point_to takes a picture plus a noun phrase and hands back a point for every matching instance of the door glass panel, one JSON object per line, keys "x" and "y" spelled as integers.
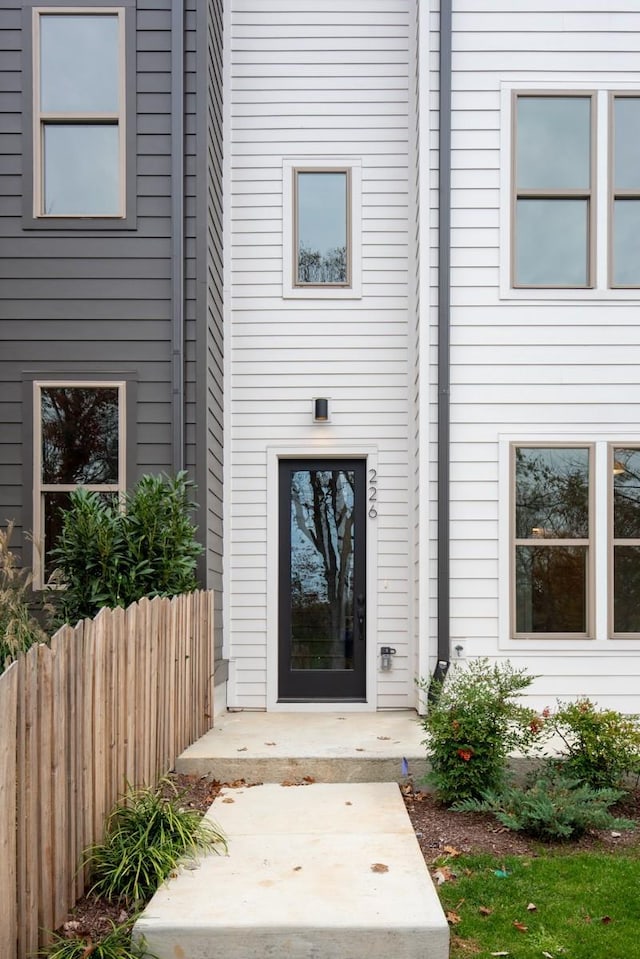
{"x": 322, "y": 567}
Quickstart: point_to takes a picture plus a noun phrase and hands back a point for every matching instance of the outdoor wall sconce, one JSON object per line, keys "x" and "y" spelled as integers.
{"x": 321, "y": 410}
{"x": 386, "y": 652}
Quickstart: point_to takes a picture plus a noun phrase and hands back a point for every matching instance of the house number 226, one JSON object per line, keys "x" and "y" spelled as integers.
{"x": 373, "y": 492}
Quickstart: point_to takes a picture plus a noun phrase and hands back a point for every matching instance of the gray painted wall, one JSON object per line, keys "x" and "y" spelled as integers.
{"x": 96, "y": 302}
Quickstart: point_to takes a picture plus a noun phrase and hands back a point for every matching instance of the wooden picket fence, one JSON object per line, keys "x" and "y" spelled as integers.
{"x": 111, "y": 702}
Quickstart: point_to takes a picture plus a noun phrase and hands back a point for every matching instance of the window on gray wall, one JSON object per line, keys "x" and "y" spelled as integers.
{"x": 79, "y": 441}
{"x": 79, "y": 113}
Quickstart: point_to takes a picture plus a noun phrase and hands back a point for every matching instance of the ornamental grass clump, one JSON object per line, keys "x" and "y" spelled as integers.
{"x": 147, "y": 836}
{"x": 18, "y": 627}
{"x": 473, "y": 723}
{"x": 115, "y": 945}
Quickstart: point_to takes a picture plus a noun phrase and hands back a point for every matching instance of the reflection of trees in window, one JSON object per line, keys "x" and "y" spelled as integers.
{"x": 552, "y": 539}
{"x": 626, "y": 540}
{"x": 79, "y": 435}
{"x": 322, "y": 533}
{"x": 316, "y": 267}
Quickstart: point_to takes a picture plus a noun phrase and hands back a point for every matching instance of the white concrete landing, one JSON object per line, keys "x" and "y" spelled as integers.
{"x": 324, "y": 871}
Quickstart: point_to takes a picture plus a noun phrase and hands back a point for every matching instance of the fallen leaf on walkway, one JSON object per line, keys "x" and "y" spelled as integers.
{"x": 308, "y": 779}
{"x": 271, "y": 744}
{"x": 383, "y": 737}
{"x": 485, "y": 911}
{"x": 228, "y": 799}
{"x": 348, "y": 803}
{"x": 242, "y": 749}
{"x": 297, "y": 868}
{"x": 379, "y": 867}
{"x": 360, "y": 749}
{"x": 520, "y": 926}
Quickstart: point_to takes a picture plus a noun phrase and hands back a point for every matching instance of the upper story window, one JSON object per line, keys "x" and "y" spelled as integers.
{"x": 554, "y": 167}
{"x": 575, "y": 194}
{"x": 322, "y": 246}
{"x": 78, "y": 441}
{"x": 79, "y": 112}
{"x": 321, "y": 229}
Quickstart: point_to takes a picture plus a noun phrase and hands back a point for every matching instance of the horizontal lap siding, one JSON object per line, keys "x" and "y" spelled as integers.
{"x": 80, "y": 302}
{"x": 535, "y": 367}
{"x": 319, "y": 80}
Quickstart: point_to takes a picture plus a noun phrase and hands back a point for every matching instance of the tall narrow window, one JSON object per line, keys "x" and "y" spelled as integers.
{"x": 625, "y": 191}
{"x": 553, "y": 191}
{"x": 552, "y": 553}
{"x": 322, "y": 242}
{"x": 79, "y": 111}
{"x": 625, "y": 546}
{"x": 78, "y": 435}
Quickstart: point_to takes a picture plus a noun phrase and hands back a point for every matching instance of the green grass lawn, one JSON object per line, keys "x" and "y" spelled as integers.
{"x": 587, "y": 906}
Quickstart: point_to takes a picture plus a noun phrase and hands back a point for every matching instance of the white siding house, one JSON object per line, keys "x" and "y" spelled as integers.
{"x": 543, "y": 366}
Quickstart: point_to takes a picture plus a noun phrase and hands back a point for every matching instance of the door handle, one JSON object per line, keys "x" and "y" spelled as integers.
{"x": 360, "y": 611}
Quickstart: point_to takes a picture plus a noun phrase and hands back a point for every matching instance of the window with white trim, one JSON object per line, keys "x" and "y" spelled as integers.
{"x": 552, "y": 555}
{"x": 575, "y": 190}
{"x": 79, "y": 112}
{"x": 624, "y": 468}
{"x": 321, "y": 229}
{"x": 78, "y": 441}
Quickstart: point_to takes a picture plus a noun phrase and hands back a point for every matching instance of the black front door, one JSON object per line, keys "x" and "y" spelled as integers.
{"x": 322, "y": 579}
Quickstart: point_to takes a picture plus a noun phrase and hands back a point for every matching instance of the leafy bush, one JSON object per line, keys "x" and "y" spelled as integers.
{"x": 550, "y": 806}
{"x": 115, "y": 945}
{"x": 473, "y": 724}
{"x": 18, "y": 627}
{"x": 112, "y": 556}
{"x": 146, "y": 837}
{"x": 602, "y": 745}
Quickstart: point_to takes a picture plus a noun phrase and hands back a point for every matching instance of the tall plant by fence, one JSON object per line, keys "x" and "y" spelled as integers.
{"x": 112, "y": 701}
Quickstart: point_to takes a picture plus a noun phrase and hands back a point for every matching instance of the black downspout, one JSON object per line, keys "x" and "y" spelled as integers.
{"x": 444, "y": 330}
{"x": 177, "y": 235}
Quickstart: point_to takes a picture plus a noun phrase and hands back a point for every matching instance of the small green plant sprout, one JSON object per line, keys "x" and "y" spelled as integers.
{"x": 147, "y": 835}
{"x": 473, "y": 723}
{"x": 550, "y": 806}
{"x": 601, "y": 746}
{"x": 18, "y": 627}
{"x": 115, "y": 945}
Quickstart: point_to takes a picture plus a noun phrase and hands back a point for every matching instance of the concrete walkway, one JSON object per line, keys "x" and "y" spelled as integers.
{"x": 328, "y": 747}
{"x": 320, "y": 871}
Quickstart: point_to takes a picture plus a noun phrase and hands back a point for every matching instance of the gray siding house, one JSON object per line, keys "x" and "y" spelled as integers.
{"x": 110, "y": 257}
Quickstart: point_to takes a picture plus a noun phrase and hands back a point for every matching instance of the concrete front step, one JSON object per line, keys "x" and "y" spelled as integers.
{"x": 327, "y": 747}
{"x": 324, "y": 871}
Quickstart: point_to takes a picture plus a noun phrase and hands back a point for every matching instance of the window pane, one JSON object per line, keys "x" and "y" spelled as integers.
{"x": 79, "y": 435}
{"x": 626, "y": 112}
{"x": 552, "y": 493}
{"x": 322, "y": 227}
{"x": 626, "y": 494}
{"x": 626, "y": 589}
{"x": 553, "y": 149}
{"x": 81, "y": 169}
{"x": 79, "y": 68}
{"x": 552, "y": 242}
{"x": 551, "y": 589}
{"x": 53, "y": 505}
{"x": 626, "y": 242}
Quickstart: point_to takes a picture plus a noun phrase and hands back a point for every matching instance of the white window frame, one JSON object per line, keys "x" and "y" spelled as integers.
{"x": 41, "y": 118}
{"x": 604, "y": 92}
{"x": 40, "y": 488}
{"x": 602, "y": 640}
{"x": 292, "y": 290}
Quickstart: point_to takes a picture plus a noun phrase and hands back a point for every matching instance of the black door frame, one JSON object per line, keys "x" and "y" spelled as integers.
{"x": 322, "y": 685}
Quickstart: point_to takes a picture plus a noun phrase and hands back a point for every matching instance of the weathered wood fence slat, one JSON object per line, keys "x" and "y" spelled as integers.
{"x": 109, "y": 703}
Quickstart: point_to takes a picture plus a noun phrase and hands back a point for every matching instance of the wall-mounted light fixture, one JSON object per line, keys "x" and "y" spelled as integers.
{"x": 321, "y": 409}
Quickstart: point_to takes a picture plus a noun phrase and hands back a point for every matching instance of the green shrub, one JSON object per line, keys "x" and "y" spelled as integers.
{"x": 18, "y": 627}
{"x": 602, "y": 746}
{"x": 146, "y": 837}
{"x": 473, "y": 724}
{"x": 112, "y": 556}
{"x": 550, "y": 806}
{"x": 115, "y": 945}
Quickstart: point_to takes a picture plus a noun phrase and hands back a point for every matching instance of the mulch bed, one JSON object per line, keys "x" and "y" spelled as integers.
{"x": 438, "y": 832}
